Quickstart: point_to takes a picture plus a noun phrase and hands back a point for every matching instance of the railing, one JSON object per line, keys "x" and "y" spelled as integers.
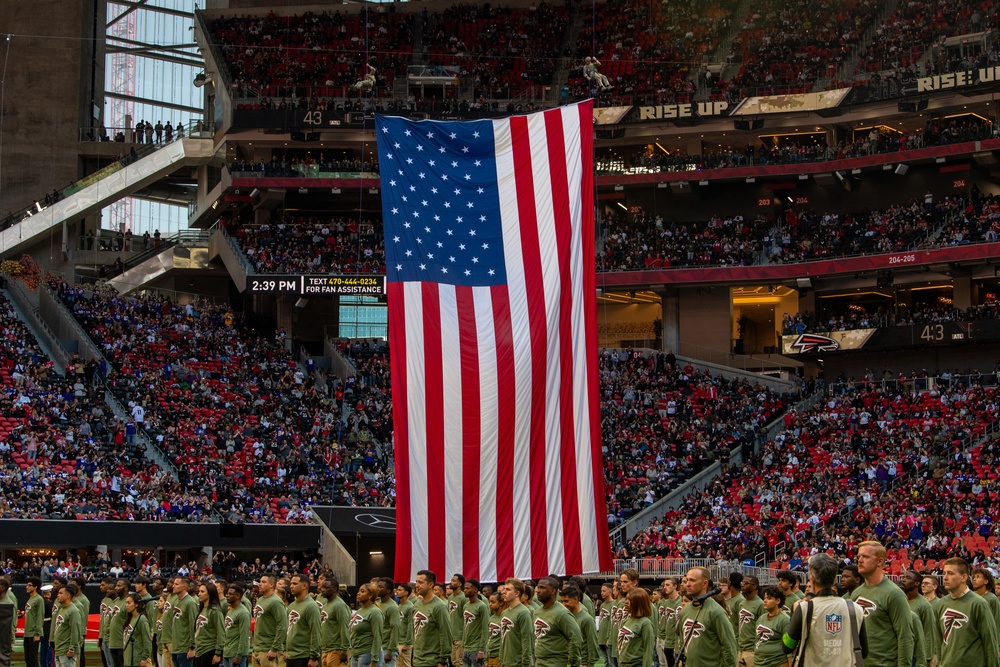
{"x": 196, "y": 127}
{"x": 911, "y": 384}
{"x": 137, "y": 152}
{"x": 241, "y": 256}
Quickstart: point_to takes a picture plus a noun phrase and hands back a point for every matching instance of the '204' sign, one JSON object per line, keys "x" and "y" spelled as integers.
{"x": 909, "y": 258}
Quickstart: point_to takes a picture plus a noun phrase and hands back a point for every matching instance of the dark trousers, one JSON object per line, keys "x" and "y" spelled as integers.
{"x": 204, "y": 660}
{"x": 117, "y": 657}
{"x": 297, "y": 662}
{"x": 31, "y": 652}
{"x": 670, "y": 656}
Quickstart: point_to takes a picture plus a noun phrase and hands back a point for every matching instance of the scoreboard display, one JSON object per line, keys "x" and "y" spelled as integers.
{"x": 317, "y": 284}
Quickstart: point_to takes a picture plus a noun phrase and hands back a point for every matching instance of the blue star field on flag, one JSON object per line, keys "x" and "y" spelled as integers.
{"x": 440, "y": 202}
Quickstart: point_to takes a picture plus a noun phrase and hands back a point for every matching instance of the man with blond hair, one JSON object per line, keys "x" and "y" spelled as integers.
{"x": 886, "y": 610}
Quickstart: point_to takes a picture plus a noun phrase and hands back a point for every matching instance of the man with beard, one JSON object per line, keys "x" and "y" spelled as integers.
{"x": 910, "y": 583}
{"x": 704, "y": 631}
{"x": 557, "y": 634}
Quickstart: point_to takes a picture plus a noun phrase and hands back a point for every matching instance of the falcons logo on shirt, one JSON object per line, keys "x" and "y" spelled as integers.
{"x": 323, "y": 616}
{"x": 199, "y": 623}
{"x": 605, "y": 614}
{"x": 764, "y": 634}
{"x": 624, "y": 637}
{"x": 663, "y": 612}
{"x": 452, "y": 606}
{"x": 357, "y": 618}
{"x": 467, "y": 618}
{"x": 159, "y": 625}
{"x": 541, "y": 629}
{"x": 952, "y": 620}
{"x": 506, "y": 625}
{"x": 126, "y": 633}
{"x": 177, "y": 612}
{"x": 746, "y": 616}
{"x": 293, "y": 618}
{"x": 257, "y": 611}
{"x": 867, "y": 606}
{"x": 60, "y": 620}
{"x": 494, "y": 629}
{"x": 693, "y": 629}
{"x": 228, "y": 622}
{"x": 419, "y": 621}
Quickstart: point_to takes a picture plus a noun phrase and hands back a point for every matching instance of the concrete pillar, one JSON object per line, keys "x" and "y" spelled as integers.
{"x": 961, "y": 292}
{"x": 671, "y": 316}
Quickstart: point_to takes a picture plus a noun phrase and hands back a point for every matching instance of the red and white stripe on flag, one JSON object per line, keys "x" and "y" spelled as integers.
{"x": 495, "y": 388}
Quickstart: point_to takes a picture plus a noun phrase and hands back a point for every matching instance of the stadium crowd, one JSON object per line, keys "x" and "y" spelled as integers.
{"x": 63, "y": 454}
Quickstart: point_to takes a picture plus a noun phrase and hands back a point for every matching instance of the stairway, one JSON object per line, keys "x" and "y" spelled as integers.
{"x": 846, "y": 69}
{"x": 565, "y": 64}
{"x": 105, "y": 187}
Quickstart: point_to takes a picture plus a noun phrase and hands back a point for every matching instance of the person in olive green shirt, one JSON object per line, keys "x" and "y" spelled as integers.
{"x": 910, "y": 582}
{"x": 886, "y": 610}
{"x": 209, "y": 627}
{"x": 627, "y": 581}
{"x": 7, "y": 597}
{"x": 164, "y": 628}
{"x": 137, "y": 644}
{"x": 789, "y": 584}
{"x": 983, "y": 583}
{"x": 431, "y": 624}
{"x": 968, "y": 631}
{"x": 456, "y": 605}
{"x": 185, "y": 617}
{"x": 570, "y": 597}
{"x": 769, "y": 630}
{"x": 637, "y": 636}
{"x": 515, "y": 627}
{"x": 390, "y": 619}
{"x": 334, "y": 619}
{"x": 750, "y": 611}
{"x": 475, "y": 626}
{"x": 366, "y": 628}
{"x": 104, "y": 617}
{"x": 270, "y": 624}
{"x": 117, "y": 618}
{"x": 604, "y": 609}
{"x": 558, "y": 640}
{"x": 493, "y": 628}
{"x": 82, "y": 603}
{"x": 304, "y": 641}
{"x": 670, "y": 603}
{"x": 66, "y": 624}
{"x": 34, "y": 622}
{"x": 236, "y": 645}
{"x": 404, "y": 591}
{"x": 704, "y": 632}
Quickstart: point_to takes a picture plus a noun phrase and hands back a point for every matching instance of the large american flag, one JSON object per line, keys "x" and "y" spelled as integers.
{"x": 489, "y": 236}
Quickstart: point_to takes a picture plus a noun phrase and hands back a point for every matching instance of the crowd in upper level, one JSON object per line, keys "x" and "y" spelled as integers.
{"x": 907, "y": 467}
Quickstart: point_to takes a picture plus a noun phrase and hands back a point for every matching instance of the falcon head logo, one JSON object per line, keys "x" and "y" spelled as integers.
{"x": 764, "y": 634}
{"x": 746, "y": 616}
{"x": 624, "y": 637}
{"x": 293, "y": 618}
{"x": 126, "y": 633}
{"x": 807, "y": 343}
{"x": 494, "y": 629}
{"x": 605, "y": 614}
{"x": 952, "y": 620}
{"x": 467, "y": 618}
{"x": 228, "y": 622}
{"x": 541, "y": 629}
{"x": 693, "y": 629}
{"x": 60, "y": 619}
{"x": 452, "y": 606}
{"x": 663, "y": 612}
{"x": 867, "y": 606}
{"x": 257, "y": 611}
{"x": 323, "y": 616}
{"x": 419, "y": 621}
{"x": 177, "y": 612}
{"x": 506, "y": 625}
{"x": 356, "y": 618}
{"x": 159, "y": 625}
{"x": 199, "y": 623}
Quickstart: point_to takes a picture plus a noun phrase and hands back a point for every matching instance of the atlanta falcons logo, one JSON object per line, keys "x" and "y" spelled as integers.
{"x": 452, "y": 606}
{"x": 468, "y": 618}
{"x": 605, "y": 614}
{"x": 357, "y": 618}
{"x": 257, "y": 611}
{"x": 624, "y": 637}
{"x": 952, "y": 620}
{"x": 177, "y": 612}
{"x": 126, "y": 633}
{"x": 323, "y": 616}
{"x": 693, "y": 629}
{"x": 807, "y": 343}
{"x": 541, "y": 629}
{"x": 867, "y": 606}
{"x": 663, "y": 612}
{"x": 764, "y": 634}
{"x": 199, "y": 623}
{"x": 506, "y": 625}
{"x": 419, "y": 621}
{"x": 159, "y": 625}
{"x": 228, "y": 622}
{"x": 494, "y": 629}
{"x": 746, "y": 616}
{"x": 293, "y": 618}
